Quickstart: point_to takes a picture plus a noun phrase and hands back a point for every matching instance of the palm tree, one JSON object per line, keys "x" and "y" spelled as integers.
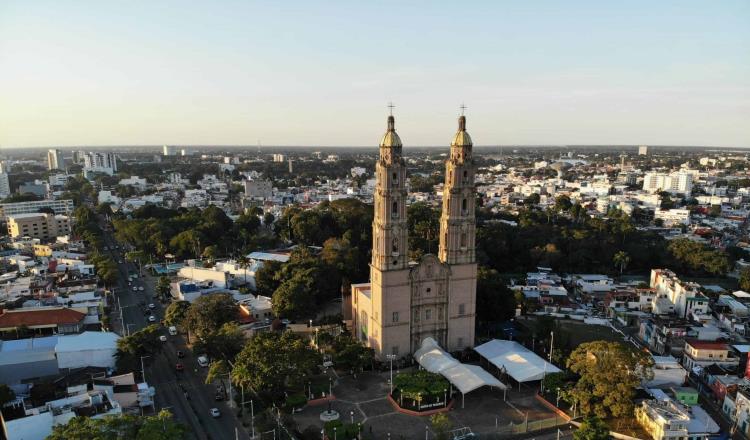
{"x": 244, "y": 263}
{"x": 621, "y": 260}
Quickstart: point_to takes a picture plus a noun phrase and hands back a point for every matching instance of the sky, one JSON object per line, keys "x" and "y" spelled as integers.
{"x": 321, "y": 73}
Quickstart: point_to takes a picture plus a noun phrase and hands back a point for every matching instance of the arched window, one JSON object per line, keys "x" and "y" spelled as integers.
{"x": 466, "y": 176}
{"x": 394, "y": 210}
{"x": 463, "y": 239}
{"x": 395, "y": 178}
{"x": 464, "y": 204}
{"x": 394, "y": 245}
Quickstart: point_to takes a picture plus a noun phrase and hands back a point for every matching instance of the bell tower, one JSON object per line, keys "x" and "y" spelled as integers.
{"x": 390, "y": 228}
{"x": 457, "y": 222}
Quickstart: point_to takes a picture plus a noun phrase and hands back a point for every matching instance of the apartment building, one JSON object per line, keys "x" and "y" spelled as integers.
{"x": 704, "y": 353}
{"x": 686, "y": 297}
{"x": 64, "y": 207}
{"x": 675, "y": 183}
{"x": 41, "y": 225}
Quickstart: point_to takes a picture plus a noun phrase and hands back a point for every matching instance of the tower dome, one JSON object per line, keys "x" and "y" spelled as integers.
{"x": 390, "y": 138}
{"x": 462, "y": 138}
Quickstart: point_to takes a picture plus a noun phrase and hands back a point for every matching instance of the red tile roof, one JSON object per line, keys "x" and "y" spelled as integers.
{"x": 707, "y": 345}
{"x": 30, "y": 318}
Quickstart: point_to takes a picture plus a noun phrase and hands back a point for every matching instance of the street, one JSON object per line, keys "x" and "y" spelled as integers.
{"x": 160, "y": 372}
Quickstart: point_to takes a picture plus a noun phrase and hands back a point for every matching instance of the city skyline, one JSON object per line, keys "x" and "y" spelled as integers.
{"x": 85, "y": 73}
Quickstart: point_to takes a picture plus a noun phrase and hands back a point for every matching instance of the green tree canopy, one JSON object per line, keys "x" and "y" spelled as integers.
{"x": 176, "y": 312}
{"x": 495, "y": 301}
{"x": 208, "y": 313}
{"x": 161, "y": 426}
{"x": 289, "y": 366}
{"x": 592, "y": 428}
{"x": 609, "y": 374}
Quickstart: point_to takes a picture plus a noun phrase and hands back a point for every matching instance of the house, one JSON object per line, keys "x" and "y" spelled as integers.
{"x": 666, "y": 419}
{"x": 43, "y": 319}
{"x": 686, "y": 297}
{"x": 704, "y": 353}
{"x": 736, "y": 407}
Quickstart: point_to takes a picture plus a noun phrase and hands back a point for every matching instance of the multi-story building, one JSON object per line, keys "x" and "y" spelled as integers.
{"x": 41, "y": 225}
{"x": 99, "y": 163}
{"x": 277, "y": 157}
{"x": 405, "y": 302}
{"x": 672, "y": 217}
{"x": 703, "y": 353}
{"x": 55, "y": 160}
{"x": 665, "y": 419}
{"x": 685, "y": 296}
{"x": 643, "y": 150}
{"x": 4, "y": 185}
{"x": 63, "y": 207}
{"x": 676, "y": 183}
{"x": 258, "y": 189}
{"x": 168, "y": 150}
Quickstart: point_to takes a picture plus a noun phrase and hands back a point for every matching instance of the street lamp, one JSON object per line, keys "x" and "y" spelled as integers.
{"x": 334, "y": 433}
{"x": 143, "y": 370}
{"x": 351, "y": 413}
{"x": 391, "y": 357}
{"x": 445, "y": 396}
{"x": 557, "y": 404}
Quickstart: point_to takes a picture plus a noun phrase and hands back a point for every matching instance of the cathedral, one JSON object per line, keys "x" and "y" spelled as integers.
{"x": 406, "y": 302}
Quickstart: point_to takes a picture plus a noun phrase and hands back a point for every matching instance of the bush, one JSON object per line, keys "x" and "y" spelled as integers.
{"x": 295, "y": 401}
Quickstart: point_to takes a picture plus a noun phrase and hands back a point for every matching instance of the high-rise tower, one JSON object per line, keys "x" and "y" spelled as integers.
{"x": 457, "y": 222}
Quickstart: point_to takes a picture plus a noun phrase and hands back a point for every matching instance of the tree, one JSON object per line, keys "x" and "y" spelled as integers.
{"x": 6, "y": 394}
{"x": 288, "y": 367}
{"x": 268, "y": 219}
{"x": 621, "y": 260}
{"x": 495, "y": 301}
{"x": 161, "y": 426}
{"x": 217, "y": 370}
{"x": 563, "y": 203}
{"x": 441, "y": 424}
{"x": 745, "y": 279}
{"x": 592, "y": 428}
{"x": 609, "y": 374}
{"x": 266, "y": 281}
{"x": 209, "y": 312}
{"x": 162, "y": 287}
{"x": 532, "y": 199}
{"x": 223, "y": 343}
{"x": 294, "y": 299}
{"x": 144, "y": 342}
{"x": 176, "y": 312}
{"x": 350, "y": 354}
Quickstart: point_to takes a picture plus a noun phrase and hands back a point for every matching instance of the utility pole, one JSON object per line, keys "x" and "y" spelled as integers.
{"x": 551, "y": 345}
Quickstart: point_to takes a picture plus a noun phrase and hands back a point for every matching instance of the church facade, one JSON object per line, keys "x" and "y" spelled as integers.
{"x": 406, "y": 302}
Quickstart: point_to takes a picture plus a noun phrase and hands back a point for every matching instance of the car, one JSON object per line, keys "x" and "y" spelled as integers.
{"x": 120, "y": 262}
{"x": 219, "y": 396}
{"x": 152, "y": 306}
{"x": 180, "y": 354}
{"x": 179, "y": 367}
{"x": 163, "y": 338}
{"x": 172, "y": 330}
{"x": 141, "y": 289}
{"x": 215, "y": 413}
{"x": 135, "y": 289}
{"x": 203, "y": 361}
{"x": 152, "y": 318}
{"x": 130, "y": 283}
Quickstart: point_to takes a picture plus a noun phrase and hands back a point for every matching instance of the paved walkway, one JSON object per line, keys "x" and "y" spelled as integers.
{"x": 363, "y": 400}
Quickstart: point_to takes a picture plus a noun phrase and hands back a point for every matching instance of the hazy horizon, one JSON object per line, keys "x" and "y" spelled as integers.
{"x": 89, "y": 73}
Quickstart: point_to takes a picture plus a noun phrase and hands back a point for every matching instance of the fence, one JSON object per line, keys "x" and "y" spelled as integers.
{"x": 536, "y": 425}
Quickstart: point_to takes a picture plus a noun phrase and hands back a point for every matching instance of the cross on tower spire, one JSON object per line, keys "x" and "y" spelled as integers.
{"x": 390, "y": 107}
{"x": 463, "y": 109}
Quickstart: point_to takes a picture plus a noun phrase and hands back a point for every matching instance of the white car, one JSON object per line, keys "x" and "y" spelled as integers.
{"x": 152, "y": 318}
{"x": 162, "y": 338}
{"x": 135, "y": 288}
{"x": 140, "y": 289}
{"x": 152, "y": 306}
{"x": 215, "y": 413}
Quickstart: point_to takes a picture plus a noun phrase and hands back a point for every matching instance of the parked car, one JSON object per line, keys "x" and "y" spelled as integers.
{"x": 140, "y": 288}
{"x": 179, "y": 367}
{"x": 215, "y": 413}
{"x": 163, "y": 338}
{"x": 173, "y": 330}
{"x": 203, "y": 361}
{"x": 152, "y": 306}
{"x": 180, "y": 354}
{"x": 152, "y": 318}
{"x": 135, "y": 289}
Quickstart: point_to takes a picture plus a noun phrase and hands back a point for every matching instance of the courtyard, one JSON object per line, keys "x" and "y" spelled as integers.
{"x": 363, "y": 401}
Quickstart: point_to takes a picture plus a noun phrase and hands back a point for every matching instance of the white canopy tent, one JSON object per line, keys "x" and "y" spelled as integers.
{"x": 466, "y": 378}
{"x": 522, "y": 364}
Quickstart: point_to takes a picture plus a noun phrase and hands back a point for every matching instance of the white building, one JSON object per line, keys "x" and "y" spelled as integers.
{"x": 168, "y": 150}
{"x": 4, "y": 185}
{"x": 675, "y": 183}
{"x": 642, "y": 150}
{"x": 105, "y": 163}
{"x": 279, "y": 157}
{"x": 685, "y": 296}
{"x": 672, "y": 217}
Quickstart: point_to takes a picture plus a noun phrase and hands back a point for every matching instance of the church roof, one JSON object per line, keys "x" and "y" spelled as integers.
{"x": 461, "y": 138}
{"x": 390, "y": 138}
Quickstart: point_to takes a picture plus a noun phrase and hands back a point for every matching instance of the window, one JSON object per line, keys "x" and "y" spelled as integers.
{"x": 466, "y": 176}
{"x": 416, "y": 316}
{"x": 394, "y": 245}
{"x": 394, "y": 318}
{"x": 427, "y": 314}
{"x": 395, "y": 177}
{"x": 394, "y": 350}
{"x": 440, "y": 313}
{"x": 429, "y": 290}
{"x": 460, "y": 342}
{"x": 461, "y": 309}
{"x": 464, "y": 204}
{"x": 463, "y": 239}
{"x": 394, "y": 210}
